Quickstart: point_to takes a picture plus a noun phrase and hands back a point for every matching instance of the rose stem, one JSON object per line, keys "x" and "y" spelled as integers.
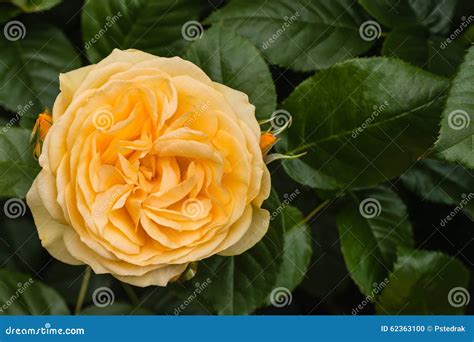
{"x": 315, "y": 211}
{"x": 131, "y": 295}
{"x": 83, "y": 290}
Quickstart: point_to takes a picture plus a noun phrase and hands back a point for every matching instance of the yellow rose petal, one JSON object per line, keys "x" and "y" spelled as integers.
{"x": 148, "y": 166}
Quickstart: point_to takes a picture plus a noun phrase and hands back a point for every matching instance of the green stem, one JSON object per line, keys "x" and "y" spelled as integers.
{"x": 315, "y": 211}
{"x": 83, "y": 290}
{"x": 131, "y": 295}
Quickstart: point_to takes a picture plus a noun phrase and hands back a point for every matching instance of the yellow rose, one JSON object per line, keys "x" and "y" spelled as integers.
{"x": 148, "y": 166}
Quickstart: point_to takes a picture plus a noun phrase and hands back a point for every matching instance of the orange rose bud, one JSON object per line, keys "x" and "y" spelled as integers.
{"x": 41, "y": 128}
{"x": 267, "y": 141}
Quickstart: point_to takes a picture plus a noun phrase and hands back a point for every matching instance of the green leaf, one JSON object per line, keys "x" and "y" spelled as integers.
{"x": 468, "y": 36}
{"x": 372, "y": 224}
{"x": 456, "y": 137}
{"x": 239, "y": 285}
{"x": 20, "y": 246}
{"x": 438, "y": 182}
{"x": 30, "y": 67}
{"x": 363, "y": 121}
{"x": 433, "y": 53}
{"x": 18, "y": 168}
{"x": 304, "y": 174}
{"x": 151, "y": 26}
{"x": 22, "y": 295}
{"x": 424, "y": 283}
{"x": 302, "y": 35}
{"x": 30, "y": 6}
{"x": 116, "y": 309}
{"x": 435, "y": 15}
{"x": 216, "y": 54}
{"x": 297, "y": 249}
